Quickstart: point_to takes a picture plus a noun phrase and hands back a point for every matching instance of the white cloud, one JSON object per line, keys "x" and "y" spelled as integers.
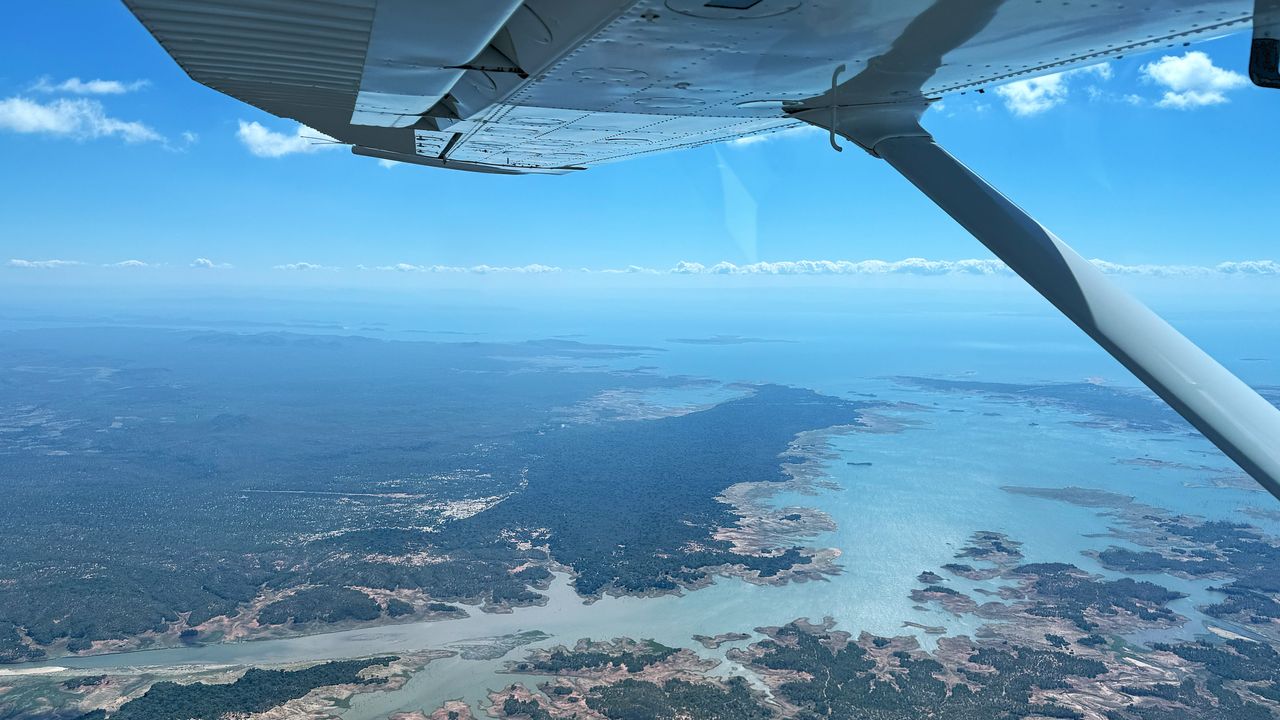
{"x": 909, "y": 266}
{"x": 303, "y": 266}
{"x": 76, "y": 86}
{"x": 1151, "y": 270}
{"x": 388, "y": 164}
{"x": 207, "y": 264}
{"x": 1191, "y": 81}
{"x": 80, "y": 118}
{"x": 533, "y": 269}
{"x": 1102, "y": 71}
{"x": 1249, "y": 267}
{"x": 1242, "y": 267}
{"x": 923, "y": 267}
{"x": 793, "y": 131}
{"x": 43, "y": 264}
{"x": 628, "y": 270}
{"x": 1036, "y": 95}
{"x": 271, "y": 144}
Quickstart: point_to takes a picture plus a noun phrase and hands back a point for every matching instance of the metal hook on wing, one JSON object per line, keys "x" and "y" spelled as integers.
{"x": 835, "y": 80}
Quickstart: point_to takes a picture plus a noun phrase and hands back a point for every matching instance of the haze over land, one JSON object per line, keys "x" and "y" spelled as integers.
{"x": 750, "y": 430}
{"x": 706, "y": 476}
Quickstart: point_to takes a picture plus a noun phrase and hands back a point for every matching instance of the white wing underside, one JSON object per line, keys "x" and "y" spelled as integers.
{"x": 557, "y": 85}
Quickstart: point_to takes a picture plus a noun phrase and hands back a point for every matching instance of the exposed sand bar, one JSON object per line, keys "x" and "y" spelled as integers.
{"x": 9, "y": 672}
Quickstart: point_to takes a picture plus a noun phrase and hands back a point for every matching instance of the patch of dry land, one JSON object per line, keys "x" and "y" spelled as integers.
{"x": 1053, "y": 647}
{"x": 1244, "y": 560}
{"x": 764, "y": 530}
{"x": 713, "y": 642}
{"x": 297, "y": 691}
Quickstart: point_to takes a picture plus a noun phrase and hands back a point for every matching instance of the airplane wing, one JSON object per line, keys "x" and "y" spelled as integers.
{"x": 553, "y": 85}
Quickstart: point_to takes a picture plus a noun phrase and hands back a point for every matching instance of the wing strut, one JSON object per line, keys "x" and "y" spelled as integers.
{"x": 1229, "y": 413}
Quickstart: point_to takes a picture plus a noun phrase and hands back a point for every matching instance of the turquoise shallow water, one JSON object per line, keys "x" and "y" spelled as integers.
{"x": 926, "y": 489}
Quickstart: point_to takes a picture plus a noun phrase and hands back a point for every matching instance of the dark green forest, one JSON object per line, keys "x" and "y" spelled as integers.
{"x": 255, "y": 691}
{"x": 171, "y": 474}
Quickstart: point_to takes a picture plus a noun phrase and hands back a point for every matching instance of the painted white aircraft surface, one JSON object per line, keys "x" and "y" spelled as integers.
{"x": 558, "y": 86}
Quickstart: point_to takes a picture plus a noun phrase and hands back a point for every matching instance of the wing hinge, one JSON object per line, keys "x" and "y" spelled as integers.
{"x": 1264, "y": 54}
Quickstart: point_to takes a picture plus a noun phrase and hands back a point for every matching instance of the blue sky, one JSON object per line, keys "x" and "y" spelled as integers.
{"x": 1143, "y": 162}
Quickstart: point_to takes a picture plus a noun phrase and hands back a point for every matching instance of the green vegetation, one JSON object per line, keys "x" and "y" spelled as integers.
{"x": 1121, "y": 408}
{"x": 398, "y": 608}
{"x": 985, "y": 543}
{"x": 1225, "y": 548}
{"x": 185, "y": 474}
{"x": 826, "y": 676}
{"x": 668, "y": 475}
{"x": 12, "y": 648}
{"x": 1060, "y": 590}
{"x": 86, "y": 681}
{"x": 843, "y": 683}
{"x": 323, "y": 604}
{"x": 1235, "y": 662}
{"x": 254, "y": 692}
{"x": 1067, "y": 592}
{"x": 513, "y": 708}
{"x": 223, "y": 455}
{"x": 564, "y": 660}
{"x": 1232, "y": 660}
{"x": 639, "y": 700}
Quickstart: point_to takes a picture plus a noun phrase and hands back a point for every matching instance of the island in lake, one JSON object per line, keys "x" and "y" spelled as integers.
{"x": 1055, "y": 649}
{"x": 193, "y": 489}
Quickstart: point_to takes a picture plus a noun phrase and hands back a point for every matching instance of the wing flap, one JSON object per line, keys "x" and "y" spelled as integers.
{"x": 567, "y": 83}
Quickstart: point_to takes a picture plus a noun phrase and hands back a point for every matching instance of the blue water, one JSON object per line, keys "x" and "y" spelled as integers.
{"x": 927, "y": 488}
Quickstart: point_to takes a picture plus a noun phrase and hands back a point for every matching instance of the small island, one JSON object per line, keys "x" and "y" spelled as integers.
{"x": 713, "y": 642}
{"x": 1051, "y": 649}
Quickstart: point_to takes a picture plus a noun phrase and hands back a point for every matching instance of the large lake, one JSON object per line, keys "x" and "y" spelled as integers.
{"x": 906, "y": 501}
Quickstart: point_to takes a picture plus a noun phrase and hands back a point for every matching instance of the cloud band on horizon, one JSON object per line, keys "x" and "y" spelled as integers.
{"x": 908, "y": 266}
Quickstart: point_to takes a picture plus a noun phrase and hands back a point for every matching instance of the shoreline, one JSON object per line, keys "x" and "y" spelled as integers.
{"x": 761, "y": 530}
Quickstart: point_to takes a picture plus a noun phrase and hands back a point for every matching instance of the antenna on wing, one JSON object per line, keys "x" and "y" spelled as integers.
{"x": 835, "y": 106}
{"x": 322, "y": 140}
